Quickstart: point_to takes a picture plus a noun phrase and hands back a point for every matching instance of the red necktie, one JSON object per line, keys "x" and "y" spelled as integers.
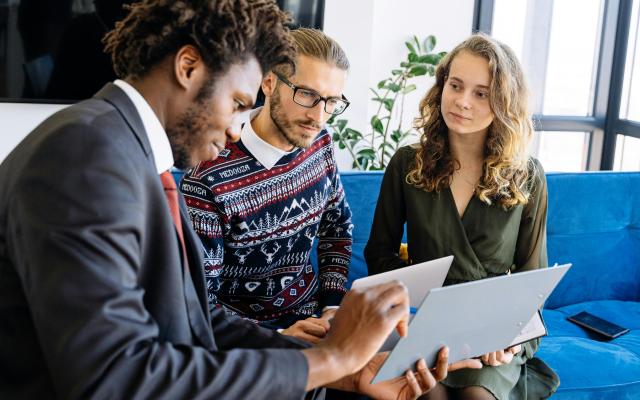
{"x": 171, "y": 193}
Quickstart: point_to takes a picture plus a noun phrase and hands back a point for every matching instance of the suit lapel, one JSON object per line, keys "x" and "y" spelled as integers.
{"x": 195, "y": 286}
{"x": 118, "y": 98}
{"x": 194, "y": 282}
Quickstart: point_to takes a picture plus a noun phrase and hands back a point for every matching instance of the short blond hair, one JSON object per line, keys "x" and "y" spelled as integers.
{"x": 316, "y": 44}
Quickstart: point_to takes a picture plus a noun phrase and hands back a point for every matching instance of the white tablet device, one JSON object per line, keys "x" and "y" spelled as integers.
{"x": 472, "y": 318}
{"x": 418, "y": 278}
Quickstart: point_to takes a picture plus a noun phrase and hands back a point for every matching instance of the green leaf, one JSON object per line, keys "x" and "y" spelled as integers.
{"x": 429, "y": 43}
{"x": 409, "y": 89}
{"x": 415, "y": 39}
{"x": 418, "y": 70}
{"x": 432, "y": 59}
{"x": 412, "y": 49}
{"x": 396, "y": 71}
{"x": 376, "y": 124}
{"x": 353, "y": 134}
{"x": 385, "y": 145}
{"x": 341, "y": 145}
{"x": 413, "y": 57}
{"x": 381, "y": 83}
{"x": 388, "y": 104}
{"x": 394, "y": 87}
{"x": 341, "y": 123}
{"x": 366, "y": 154}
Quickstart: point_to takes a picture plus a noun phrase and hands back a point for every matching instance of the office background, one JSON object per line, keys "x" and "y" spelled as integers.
{"x": 580, "y": 57}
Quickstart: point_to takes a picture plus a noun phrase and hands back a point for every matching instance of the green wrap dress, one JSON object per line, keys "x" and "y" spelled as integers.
{"x": 486, "y": 241}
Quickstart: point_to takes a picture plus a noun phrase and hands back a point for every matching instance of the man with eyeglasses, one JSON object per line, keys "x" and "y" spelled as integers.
{"x": 259, "y": 207}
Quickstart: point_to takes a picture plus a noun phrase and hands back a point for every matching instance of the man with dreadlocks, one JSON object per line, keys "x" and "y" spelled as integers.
{"x": 102, "y": 293}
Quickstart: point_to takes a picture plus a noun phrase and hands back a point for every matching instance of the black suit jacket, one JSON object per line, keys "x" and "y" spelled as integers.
{"x": 94, "y": 299}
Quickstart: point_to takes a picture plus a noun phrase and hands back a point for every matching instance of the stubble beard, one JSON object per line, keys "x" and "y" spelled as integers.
{"x": 285, "y": 126}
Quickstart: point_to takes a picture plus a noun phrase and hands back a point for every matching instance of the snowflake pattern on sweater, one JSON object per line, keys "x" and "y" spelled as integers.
{"x": 258, "y": 227}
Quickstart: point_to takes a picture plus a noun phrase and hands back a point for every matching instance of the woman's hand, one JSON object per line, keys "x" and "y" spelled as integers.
{"x": 501, "y": 357}
{"x": 412, "y": 384}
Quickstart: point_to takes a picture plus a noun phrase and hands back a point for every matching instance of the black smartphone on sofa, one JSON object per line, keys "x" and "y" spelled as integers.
{"x": 598, "y": 325}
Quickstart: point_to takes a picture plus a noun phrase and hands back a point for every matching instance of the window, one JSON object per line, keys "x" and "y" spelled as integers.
{"x": 627, "y": 154}
{"x": 630, "y": 106}
{"x": 582, "y": 62}
{"x": 557, "y": 43}
{"x": 562, "y": 151}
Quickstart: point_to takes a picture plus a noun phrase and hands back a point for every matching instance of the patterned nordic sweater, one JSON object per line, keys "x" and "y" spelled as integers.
{"x": 258, "y": 228}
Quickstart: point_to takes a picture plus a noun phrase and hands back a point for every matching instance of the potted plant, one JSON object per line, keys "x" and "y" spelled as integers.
{"x": 372, "y": 151}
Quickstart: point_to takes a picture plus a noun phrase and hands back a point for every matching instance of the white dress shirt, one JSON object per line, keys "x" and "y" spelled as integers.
{"x": 160, "y": 147}
{"x": 266, "y": 154}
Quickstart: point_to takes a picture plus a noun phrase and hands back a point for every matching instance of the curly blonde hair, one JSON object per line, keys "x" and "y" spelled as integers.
{"x": 507, "y": 167}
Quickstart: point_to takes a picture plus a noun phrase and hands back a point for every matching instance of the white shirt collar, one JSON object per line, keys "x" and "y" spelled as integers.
{"x": 160, "y": 146}
{"x": 265, "y": 153}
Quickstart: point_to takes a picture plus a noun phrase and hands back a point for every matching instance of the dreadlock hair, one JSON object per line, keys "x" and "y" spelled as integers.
{"x": 225, "y": 32}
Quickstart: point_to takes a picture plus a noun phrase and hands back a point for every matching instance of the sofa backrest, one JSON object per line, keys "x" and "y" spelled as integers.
{"x": 593, "y": 223}
{"x": 361, "y": 190}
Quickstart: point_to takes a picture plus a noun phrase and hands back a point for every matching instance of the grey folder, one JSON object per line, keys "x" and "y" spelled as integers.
{"x": 471, "y": 318}
{"x": 418, "y": 278}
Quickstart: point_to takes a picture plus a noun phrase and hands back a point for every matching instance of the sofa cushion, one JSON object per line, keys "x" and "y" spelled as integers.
{"x": 623, "y": 313}
{"x": 590, "y": 368}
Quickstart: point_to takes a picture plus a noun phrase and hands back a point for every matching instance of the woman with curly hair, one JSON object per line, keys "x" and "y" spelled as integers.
{"x": 470, "y": 189}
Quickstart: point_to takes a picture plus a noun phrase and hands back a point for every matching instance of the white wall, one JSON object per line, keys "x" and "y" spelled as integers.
{"x": 18, "y": 119}
{"x": 373, "y": 32}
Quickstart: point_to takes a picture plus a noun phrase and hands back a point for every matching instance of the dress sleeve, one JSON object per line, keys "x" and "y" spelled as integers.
{"x": 531, "y": 246}
{"x": 381, "y": 251}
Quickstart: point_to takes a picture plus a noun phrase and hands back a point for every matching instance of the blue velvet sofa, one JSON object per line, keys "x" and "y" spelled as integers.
{"x": 594, "y": 223}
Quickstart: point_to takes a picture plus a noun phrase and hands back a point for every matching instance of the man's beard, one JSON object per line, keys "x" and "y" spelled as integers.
{"x": 186, "y": 134}
{"x": 286, "y": 126}
{"x": 181, "y": 139}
